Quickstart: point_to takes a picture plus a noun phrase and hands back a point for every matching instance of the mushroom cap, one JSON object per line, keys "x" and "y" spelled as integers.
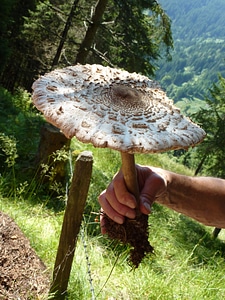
{"x": 113, "y": 108}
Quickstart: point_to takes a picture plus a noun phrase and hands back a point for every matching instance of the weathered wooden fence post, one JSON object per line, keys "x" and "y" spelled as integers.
{"x": 71, "y": 224}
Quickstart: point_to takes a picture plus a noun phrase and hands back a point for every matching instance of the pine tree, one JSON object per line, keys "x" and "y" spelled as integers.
{"x": 134, "y": 35}
{"x": 127, "y": 34}
{"x": 13, "y": 47}
{"x": 211, "y": 152}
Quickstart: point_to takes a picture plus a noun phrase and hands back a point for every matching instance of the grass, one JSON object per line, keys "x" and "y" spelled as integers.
{"x": 191, "y": 269}
{"x": 187, "y": 264}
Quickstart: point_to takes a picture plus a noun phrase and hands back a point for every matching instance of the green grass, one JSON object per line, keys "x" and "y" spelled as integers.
{"x": 187, "y": 262}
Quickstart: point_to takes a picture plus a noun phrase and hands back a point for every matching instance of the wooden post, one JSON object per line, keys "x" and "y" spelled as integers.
{"x": 71, "y": 224}
{"x": 51, "y": 140}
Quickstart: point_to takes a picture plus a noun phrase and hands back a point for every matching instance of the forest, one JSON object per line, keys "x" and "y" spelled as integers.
{"x": 38, "y": 36}
{"x": 178, "y": 43}
{"x": 198, "y": 55}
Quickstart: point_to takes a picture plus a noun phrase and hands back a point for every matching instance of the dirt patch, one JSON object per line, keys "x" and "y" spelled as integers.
{"x": 22, "y": 274}
{"x": 131, "y": 232}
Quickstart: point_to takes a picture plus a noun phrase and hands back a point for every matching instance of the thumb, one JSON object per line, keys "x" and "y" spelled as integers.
{"x": 145, "y": 204}
{"x": 154, "y": 186}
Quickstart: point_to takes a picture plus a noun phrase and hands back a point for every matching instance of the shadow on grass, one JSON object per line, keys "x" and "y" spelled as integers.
{"x": 201, "y": 244}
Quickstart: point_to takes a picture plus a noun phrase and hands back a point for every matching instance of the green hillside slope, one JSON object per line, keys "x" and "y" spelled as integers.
{"x": 199, "y": 48}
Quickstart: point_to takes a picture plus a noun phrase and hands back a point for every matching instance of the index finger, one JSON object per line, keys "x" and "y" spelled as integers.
{"x": 121, "y": 192}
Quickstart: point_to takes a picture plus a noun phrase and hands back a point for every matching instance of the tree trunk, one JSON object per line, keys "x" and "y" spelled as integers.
{"x": 51, "y": 141}
{"x": 200, "y": 164}
{"x": 91, "y": 31}
{"x": 64, "y": 34}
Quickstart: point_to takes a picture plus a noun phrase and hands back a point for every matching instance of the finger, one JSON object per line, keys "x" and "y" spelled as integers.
{"x": 112, "y": 206}
{"x": 109, "y": 210}
{"x": 121, "y": 193}
{"x": 153, "y": 187}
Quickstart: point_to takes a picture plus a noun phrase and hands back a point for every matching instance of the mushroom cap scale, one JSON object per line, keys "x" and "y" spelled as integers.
{"x": 113, "y": 108}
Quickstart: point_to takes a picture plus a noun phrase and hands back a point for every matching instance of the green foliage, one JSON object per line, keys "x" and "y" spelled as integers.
{"x": 20, "y": 120}
{"x": 137, "y": 36}
{"x": 204, "y": 16}
{"x": 13, "y": 49}
{"x": 212, "y": 119}
{"x": 6, "y": 7}
{"x": 198, "y": 55}
{"x": 42, "y": 29}
{"x": 19, "y": 137}
{"x": 8, "y": 149}
{"x": 132, "y": 35}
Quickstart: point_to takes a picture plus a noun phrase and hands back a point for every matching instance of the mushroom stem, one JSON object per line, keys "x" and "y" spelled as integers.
{"x": 130, "y": 175}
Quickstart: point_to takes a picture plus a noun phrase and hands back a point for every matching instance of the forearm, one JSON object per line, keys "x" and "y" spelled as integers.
{"x": 201, "y": 198}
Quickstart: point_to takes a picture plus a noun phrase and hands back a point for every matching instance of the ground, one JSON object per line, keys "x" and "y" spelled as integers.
{"x": 23, "y": 276}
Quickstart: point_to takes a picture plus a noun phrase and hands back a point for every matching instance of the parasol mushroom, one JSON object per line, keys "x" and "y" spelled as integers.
{"x": 113, "y": 108}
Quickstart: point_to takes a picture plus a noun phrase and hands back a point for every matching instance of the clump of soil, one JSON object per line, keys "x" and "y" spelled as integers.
{"x": 133, "y": 232}
{"x": 22, "y": 273}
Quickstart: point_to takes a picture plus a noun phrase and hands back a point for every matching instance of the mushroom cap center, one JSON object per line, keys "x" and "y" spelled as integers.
{"x": 126, "y": 98}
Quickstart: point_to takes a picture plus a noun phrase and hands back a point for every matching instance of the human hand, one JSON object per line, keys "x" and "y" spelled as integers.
{"x": 117, "y": 202}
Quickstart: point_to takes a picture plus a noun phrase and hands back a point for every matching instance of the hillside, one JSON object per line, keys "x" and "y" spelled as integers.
{"x": 199, "y": 48}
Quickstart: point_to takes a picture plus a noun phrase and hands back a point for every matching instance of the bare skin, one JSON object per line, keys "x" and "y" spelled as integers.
{"x": 200, "y": 198}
